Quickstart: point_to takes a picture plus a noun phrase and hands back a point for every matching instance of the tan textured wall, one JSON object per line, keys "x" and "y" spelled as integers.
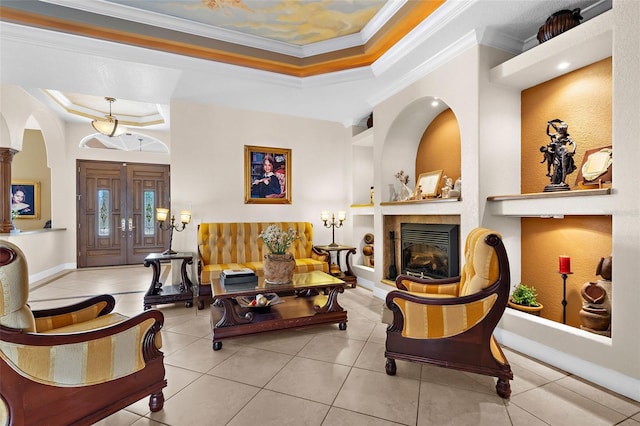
{"x": 582, "y": 99}
{"x": 440, "y": 147}
{"x": 585, "y": 238}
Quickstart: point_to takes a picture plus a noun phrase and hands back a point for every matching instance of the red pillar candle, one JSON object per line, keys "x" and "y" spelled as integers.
{"x": 565, "y": 264}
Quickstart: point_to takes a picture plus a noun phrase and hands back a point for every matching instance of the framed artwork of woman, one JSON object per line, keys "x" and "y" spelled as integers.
{"x": 25, "y": 199}
{"x": 267, "y": 175}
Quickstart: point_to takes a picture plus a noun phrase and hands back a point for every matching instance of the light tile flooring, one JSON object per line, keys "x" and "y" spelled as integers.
{"x": 324, "y": 376}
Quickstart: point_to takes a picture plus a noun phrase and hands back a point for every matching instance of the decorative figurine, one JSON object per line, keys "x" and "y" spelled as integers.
{"x": 367, "y": 250}
{"x": 456, "y": 191}
{"x": 448, "y": 186}
{"x": 558, "y": 154}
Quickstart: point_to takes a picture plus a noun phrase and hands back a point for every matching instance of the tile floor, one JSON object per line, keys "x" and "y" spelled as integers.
{"x": 324, "y": 376}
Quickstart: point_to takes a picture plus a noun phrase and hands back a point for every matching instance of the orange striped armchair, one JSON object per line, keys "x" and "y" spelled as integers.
{"x": 450, "y": 322}
{"x": 76, "y": 364}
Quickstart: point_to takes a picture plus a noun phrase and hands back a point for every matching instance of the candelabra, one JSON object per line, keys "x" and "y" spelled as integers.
{"x": 333, "y": 223}
{"x": 161, "y": 217}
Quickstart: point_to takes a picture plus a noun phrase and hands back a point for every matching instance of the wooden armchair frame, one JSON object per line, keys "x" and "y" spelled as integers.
{"x": 474, "y": 349}
{"x": 28, "y": 394}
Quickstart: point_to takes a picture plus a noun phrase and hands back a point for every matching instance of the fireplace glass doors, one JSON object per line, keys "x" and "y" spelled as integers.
{"x": 430, "y": 250}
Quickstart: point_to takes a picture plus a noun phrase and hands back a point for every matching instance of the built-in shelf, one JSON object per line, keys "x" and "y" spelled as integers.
{"x": 364, "y": 138}
{"x": 18, "y": 232}
{"x": 432, "y": 206}
{"x": 553, "y": 204}
{"x": 559, "y": 194}
{"x": 582, "y": 45}
{"x": 362, "y": 268}
{"x": 425, "y": 201}
{"x": 362, "y": 209}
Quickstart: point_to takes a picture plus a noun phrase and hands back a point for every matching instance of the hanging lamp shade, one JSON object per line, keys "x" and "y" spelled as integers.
{"x": 109, "y": 125}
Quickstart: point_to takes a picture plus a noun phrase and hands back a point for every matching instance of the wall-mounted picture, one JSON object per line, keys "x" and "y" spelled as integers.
{"x": 25, "y": 199}
{"x": 429, "y": 183}
{"x": 267, "y": 175}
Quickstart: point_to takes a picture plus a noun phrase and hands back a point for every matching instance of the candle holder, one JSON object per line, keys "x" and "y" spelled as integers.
{"x": 333, "y": 223}
{"x": 564, "y": 275}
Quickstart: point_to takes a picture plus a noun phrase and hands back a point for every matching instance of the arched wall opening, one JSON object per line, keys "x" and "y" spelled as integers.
{"x": 412, "y": 140}
{"x": 31, "y": 175}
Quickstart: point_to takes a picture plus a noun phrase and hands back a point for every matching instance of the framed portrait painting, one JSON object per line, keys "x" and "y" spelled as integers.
{"x": 25, "y": 199}
{"x": 267, "y": 175}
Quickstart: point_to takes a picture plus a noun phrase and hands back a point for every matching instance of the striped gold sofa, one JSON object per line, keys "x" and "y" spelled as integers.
{"x": 235, "y": 245}
{"x": 450, "y": 322}
{"x": 75, "y": 364}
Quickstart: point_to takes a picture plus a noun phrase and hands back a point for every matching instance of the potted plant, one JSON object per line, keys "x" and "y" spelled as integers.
{"x": 278, "y": 264}
{"x": 524, "y": 298}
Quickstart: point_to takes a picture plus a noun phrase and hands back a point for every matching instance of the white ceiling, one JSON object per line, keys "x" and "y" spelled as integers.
{"x": 39, "y": 59}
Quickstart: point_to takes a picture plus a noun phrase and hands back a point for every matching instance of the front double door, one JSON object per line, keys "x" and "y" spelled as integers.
{"x": 116, "y": 206}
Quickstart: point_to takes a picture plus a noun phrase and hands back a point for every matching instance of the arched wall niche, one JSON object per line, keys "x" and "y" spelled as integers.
{"x": 439, "y": 147}
{"x": 400, "y": 147}
{"x": 29, "y": 167}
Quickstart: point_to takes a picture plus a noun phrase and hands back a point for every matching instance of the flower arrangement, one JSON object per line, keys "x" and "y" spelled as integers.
{"x": 277, "y": 240}
{"x": 402, "y": 177}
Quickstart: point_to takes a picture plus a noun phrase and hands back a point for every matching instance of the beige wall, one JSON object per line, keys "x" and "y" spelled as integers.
{"x": 207, "y": 167}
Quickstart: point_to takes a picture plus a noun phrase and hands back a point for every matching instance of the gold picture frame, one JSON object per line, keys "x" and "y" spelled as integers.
{"x": 429, "y": 183}
{"x": 25, "y": 199}
{"x": 272, "y": 186}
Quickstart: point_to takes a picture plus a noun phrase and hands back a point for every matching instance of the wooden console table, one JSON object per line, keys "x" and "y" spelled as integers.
{"x": 161, "y": 294}
{"x": 303, "y": 305}
{"x": 347, "y": 275}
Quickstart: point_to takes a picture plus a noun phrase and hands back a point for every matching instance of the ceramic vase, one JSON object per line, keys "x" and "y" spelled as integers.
{"x": 405, "y": 193}
{"x": 278, "y": 268}
{"x": 558, "y": 23}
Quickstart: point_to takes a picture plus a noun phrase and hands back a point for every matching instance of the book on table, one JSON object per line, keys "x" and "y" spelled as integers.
{"x": 238, "y": 279}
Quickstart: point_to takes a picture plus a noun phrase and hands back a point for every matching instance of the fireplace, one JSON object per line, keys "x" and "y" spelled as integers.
{"x": 430, "y": 250}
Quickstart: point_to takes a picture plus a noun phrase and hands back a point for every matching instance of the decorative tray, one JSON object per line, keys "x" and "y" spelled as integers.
{"x": 251, "y": 302}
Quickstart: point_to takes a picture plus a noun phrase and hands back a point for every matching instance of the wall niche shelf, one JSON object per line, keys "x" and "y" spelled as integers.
{"x": 582, "y": 45}
{"x": 427, "y": 201}
{"x": 553, "y": 204}
{"x": 560, "y": 194}
{"x": 364, "y": 138}
{"x": 361, "y": 209}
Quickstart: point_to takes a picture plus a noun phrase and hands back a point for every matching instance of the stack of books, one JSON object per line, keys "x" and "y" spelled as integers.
{"x": 238, "y": 279}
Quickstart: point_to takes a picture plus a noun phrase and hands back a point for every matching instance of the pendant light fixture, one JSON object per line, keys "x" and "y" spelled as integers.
{"x": 109, "y": 125}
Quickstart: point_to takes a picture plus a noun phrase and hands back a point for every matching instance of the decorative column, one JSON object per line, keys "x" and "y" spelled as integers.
{"x": 6, "y": 157}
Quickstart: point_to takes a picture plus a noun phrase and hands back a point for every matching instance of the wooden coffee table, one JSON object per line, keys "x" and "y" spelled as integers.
{"x": 312, "y": 298}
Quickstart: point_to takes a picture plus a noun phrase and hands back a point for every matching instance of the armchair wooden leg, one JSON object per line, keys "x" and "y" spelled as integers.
{"x": 156, "y": 401}
{"x": 390, "y": 367}
{"x": 503, "y": 388}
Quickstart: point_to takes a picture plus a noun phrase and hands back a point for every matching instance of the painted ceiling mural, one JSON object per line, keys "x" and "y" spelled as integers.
{"x": 298, "y": 22}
